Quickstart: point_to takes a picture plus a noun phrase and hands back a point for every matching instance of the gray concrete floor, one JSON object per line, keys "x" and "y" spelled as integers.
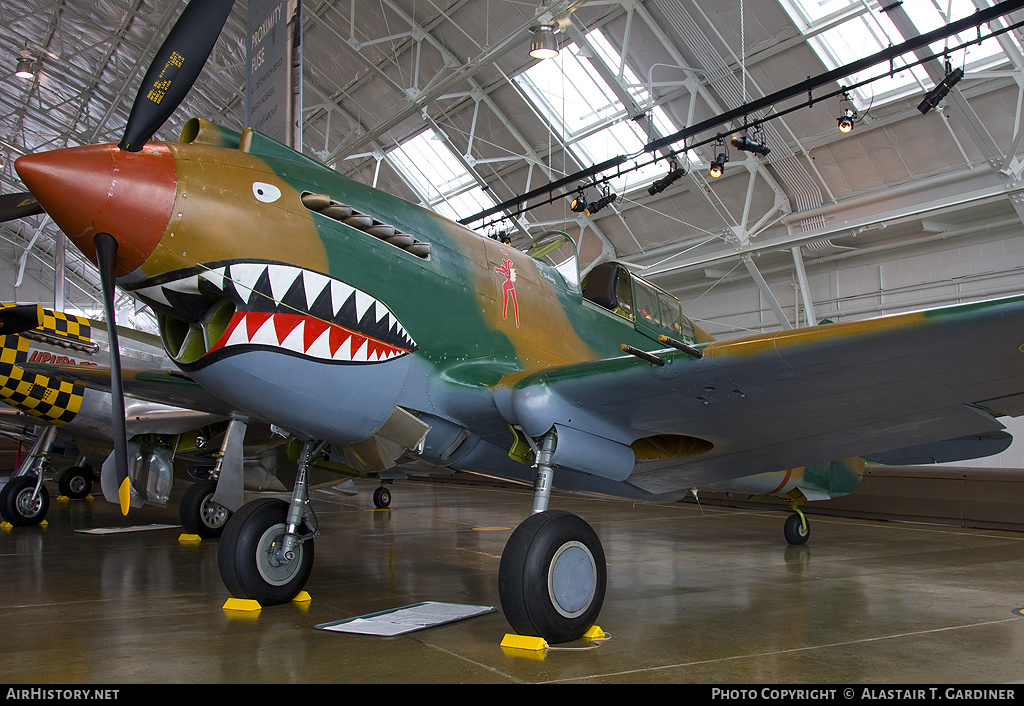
{"x": 706, "y": 596}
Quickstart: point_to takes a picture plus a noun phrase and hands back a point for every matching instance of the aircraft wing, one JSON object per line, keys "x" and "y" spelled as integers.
{"x": 168, "y": 387}
{"x": 14, "y": 423}
{"x": 772, "y": 402}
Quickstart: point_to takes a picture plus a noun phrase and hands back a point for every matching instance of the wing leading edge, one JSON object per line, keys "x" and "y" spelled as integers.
{"x": 769, "y": 402}
{"x": 154, "y": 385}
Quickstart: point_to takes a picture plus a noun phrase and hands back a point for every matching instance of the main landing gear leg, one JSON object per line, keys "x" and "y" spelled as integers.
{"x": 266, "y": 551}
{"x": 552, "y": 575}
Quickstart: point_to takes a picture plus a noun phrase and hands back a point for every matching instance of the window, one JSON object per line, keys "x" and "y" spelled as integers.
{"x": 846, "y": 30}
{"x": 571, "y": 95}
{"x": 438, "y": 177}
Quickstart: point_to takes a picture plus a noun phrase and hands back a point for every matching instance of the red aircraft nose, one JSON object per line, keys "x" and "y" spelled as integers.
{"x": 102, "y": 189}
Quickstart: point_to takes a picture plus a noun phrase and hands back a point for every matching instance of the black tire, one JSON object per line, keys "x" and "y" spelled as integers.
{"x": 75, "y": 482}
{"x": 797, "y": 529}
{"x": 244, "y": 554}
{"x": 198, "y": 512}
{"x": 552, "y": 577}
{"x": 17, "y": 504}
{"x": 382, "y": 497}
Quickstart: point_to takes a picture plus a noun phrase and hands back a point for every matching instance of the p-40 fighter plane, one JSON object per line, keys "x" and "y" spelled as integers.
{"x": 379, "y": 333}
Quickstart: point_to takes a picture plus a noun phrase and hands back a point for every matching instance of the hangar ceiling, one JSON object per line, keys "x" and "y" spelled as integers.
{"x": 907, "y": 210}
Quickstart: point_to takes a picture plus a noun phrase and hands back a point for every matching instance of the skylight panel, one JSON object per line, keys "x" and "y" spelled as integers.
{"x": 438, "y": 177}
{"x": 586, "y": 113}
{"x": 456, "y": 206}
{"x": 866, "y": 30}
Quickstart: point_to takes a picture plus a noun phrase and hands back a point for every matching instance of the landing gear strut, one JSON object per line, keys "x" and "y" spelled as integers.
{"x": 552, "y": 575}
{"x": 266, "y": 550}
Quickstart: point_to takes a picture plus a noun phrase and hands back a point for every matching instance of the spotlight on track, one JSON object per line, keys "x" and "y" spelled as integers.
{"x": 847, "y": 114}
{"x": 718, "y": 166}
{"x": 599, "y": 204}
{"x": 845, "y": 120}
{"x": 933, "y": 97}
{"x": 674, "y": 174}
{"x": 746, "y": 144}
{"x": 578, "y": 203}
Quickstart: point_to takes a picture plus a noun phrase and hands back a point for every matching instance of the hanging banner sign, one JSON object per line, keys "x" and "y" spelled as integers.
{"x": 274, "y": 83}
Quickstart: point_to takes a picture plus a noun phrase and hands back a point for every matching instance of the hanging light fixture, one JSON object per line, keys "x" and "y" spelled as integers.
{"x": 847, "y": 114}
{"x": 933, "y": 97}
{"x": 593, "y": 208}
{"x": 675, "y": 173}
{"x": 718, "y": 166}
{"x": 748, "y": 144}
{"x": 24, "y": 67}
{"x": 544, "y": 45}
{"x": 578, "y": 203}
{"x": 845, "y": 120}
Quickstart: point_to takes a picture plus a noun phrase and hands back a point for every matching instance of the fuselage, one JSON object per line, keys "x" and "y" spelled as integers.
{"x": 332, "y": 315}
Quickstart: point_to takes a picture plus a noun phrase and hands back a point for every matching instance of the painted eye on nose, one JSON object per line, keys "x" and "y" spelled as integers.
{"x": 267, "y": 193}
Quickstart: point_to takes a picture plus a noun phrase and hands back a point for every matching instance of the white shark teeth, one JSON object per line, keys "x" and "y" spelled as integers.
{"x": 304, "y": 312}
{"x": 309, "y": 337}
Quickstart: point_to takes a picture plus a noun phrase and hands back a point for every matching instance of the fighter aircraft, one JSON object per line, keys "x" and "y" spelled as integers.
{"x": 55, "y": 382}
{"x": 74, "y": 421}
{"x": 383, "y": 335}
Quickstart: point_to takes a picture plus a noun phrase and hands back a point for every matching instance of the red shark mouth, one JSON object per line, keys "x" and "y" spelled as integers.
{"x": 284, "y": 308}
{"x": 307, "y": 336}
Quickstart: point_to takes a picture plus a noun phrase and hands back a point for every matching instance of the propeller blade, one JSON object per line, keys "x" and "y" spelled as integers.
{"x": 18, "y": 319}
{"x": 106, "y": 258}
{"x": 13, "y": 206}
{"x": 174, "y": 69}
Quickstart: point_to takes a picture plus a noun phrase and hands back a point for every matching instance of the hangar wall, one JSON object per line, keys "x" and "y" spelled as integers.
{"x": 847, "y": 284}
{"x": 36, "y": 280}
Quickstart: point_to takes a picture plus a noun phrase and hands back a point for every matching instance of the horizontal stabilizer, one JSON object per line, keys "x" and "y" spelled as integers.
{"x": 18, "y": 319}
{"x": 960, "y": 449}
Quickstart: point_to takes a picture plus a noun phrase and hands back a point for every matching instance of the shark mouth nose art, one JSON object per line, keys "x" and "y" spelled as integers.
{"x": 246, "y": 306}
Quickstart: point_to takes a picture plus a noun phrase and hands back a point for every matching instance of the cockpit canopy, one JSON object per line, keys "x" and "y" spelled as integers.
{"x": 653, "y": 310}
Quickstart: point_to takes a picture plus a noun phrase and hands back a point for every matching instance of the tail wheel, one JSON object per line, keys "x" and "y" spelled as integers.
{"x": 247, "y": 556}
{"x": 382, "y": 497}
{"x": 552, "y": 577}
{"x": 21, "y": 505}
{"x": 198, "y": 512}
{"x": 797, "y": 529}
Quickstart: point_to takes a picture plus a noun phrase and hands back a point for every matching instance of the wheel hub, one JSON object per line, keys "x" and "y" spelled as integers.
{"x": 77, "y": 484}
{"x": 276, "y": 567}
{"x": 29, "y": 504}
{"x": 572, "y": 579}
{"x": 213, "y": 514}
